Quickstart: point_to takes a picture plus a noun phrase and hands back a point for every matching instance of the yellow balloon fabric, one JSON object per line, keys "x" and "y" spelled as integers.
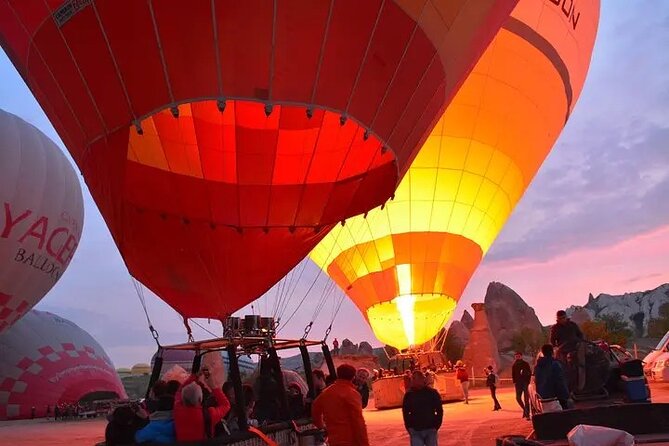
{"x": 406, "y": 264}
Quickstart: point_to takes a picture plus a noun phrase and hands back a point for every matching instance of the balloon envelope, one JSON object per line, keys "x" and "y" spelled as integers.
{"x": 47, "y": 360}
{"x": 406, "y": 265}
{"x": 220, "y": 138}
{"x": 41, "y": 216}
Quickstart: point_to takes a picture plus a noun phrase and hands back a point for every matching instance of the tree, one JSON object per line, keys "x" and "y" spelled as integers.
{"x": 526, "y": 341}
{"x": 657, "y": 327}
{"x": 453, "y": 347}
{"x": 611, "y": 328}
{"x": 594, "y": 330}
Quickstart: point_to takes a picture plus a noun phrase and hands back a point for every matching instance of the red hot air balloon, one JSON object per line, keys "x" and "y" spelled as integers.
{"x": 41, "y": 216}
{"x": 46, "y": 360}
{"x": 218, "y": 137}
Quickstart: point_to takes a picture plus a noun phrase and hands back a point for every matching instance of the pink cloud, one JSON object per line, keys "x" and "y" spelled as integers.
{"x": 636, "y": 264}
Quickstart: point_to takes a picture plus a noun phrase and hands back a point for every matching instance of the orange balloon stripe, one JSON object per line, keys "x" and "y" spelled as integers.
{"x": 470, "y": 173}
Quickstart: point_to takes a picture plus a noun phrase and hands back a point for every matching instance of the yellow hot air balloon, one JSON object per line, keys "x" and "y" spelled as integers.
{"x": 406, "y": 264}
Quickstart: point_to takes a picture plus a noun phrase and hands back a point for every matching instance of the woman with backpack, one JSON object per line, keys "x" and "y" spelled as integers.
{"x": 491, "y": 381}
{"x": 462, "y": 376}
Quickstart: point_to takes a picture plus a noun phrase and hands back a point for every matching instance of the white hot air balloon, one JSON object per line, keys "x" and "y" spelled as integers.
{"x": 41, "y": 216}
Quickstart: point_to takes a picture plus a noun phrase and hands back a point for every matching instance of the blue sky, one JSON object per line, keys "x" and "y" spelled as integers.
{"x": 594, "y": 220}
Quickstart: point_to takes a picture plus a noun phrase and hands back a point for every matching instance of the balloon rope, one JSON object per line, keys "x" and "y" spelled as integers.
{"x": 203, "y": 328}
{"x": 139, "y": 290}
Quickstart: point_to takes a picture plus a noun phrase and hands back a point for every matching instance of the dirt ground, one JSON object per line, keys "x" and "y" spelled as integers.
{"x": 464, "y": 425}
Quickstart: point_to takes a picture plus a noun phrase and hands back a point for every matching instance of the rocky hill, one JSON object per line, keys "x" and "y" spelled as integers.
{"x": 359, "y": 355}
{"x": 637, "y": 308}
{"x": 509, "y": 316}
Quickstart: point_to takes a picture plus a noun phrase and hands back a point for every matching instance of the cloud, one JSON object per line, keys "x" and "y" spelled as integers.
{"x": 607, "y": 178}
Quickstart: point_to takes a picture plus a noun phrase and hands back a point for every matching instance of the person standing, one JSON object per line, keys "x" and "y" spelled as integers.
{"x": 360, "y": 381}
{"x": 335, "y": 347}
{"x": 549, "y": 378}
{"x": 491, "y": 381}
{"x": 422, "y": 412}
{"x": 522, "y": 374}
{"x": 339, "y": 409}
{"x": 189, "y": 420}
{"x": 462, "y": 376}
{"x": 565, "y": 332}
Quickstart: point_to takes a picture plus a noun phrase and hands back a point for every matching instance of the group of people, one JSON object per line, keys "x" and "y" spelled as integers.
{"x": 188, "y": 411}
{"x": 194, "y": 410}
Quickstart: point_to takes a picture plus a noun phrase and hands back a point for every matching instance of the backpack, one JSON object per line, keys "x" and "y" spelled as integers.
{"x": 462, "y": 375}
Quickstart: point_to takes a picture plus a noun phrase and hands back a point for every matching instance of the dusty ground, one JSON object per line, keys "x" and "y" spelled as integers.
{"x": 464, "y": 425}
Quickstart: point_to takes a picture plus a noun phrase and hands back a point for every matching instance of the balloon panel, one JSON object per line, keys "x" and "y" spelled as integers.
{"x": 467, "y": 178}
{"x": 239, "y": 185}
{"x": 41, "y": 216}
{"x": 46, "y": 360}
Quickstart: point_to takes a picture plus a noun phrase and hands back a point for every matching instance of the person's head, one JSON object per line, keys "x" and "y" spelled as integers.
{"x": 418, "y": 380}
{"x": 489, "y": 368}
{"x": 123, "y": 416}
{"x": 165, "y": 403}
{"x": 206, "y": 372}
{"x": 361, "y": 375}
{"x": 229, "y": 391}
{"x": 518, "y": 356}
{"x": 346, "y": 372}
{"x": 191, "y": 395}
{"x": 319, "y": 378}
{"x": 159, "y": 389}
{"x": 172, "y": 387}
{"x": 547, "y": 350}
{"x": 561, "y": 317}
{"x": 294, "y": 390}
{"x": 459, "y": 363}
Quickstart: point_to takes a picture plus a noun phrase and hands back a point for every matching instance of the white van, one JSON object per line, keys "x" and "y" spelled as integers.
{"x": 656, "y": 363}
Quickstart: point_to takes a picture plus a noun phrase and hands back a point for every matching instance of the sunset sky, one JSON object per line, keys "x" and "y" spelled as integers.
{"x": 595, "y": 219}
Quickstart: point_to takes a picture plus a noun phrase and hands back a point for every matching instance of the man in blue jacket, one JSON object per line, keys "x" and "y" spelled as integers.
{"x": 549, "y": 378}
{"x": 161, "y": 424}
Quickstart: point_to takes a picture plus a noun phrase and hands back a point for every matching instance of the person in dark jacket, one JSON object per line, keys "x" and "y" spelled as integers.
{"x": 422, "y": 412}
{"x": 124, "y": 422}
{"x": 361, "y": 378}
{"x": 492, "y": 380}
{"x": 565, "y": 332}
{"x": 521, "y": 374}
{"x": 158, "y": 390}
{"x": 549, "y": 378}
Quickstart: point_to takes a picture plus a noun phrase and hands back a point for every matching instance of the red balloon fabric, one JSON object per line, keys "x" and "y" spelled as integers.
{"x": 221, "y": 139}
{"x": 47, "y": 360}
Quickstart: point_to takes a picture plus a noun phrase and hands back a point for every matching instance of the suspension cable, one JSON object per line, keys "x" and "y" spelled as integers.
{"x": 188, "y": 330}
{"x": 139, "y": 290}
{"x": 203, "y": 328}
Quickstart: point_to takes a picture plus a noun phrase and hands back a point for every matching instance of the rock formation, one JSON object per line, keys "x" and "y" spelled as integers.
{"x": 580, "y": 315}
{"x": 365, "y": 349}
{"x": 348, "y": 348}
{"x": 637, "y": 308}
{"x": 481, "y": 350}
{"x": 467, "y": 320}
{"x": 509, "y": 315}
{"x": 459, "y": 333}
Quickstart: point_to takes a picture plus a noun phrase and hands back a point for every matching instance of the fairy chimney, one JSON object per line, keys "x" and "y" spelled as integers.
{"x": 481, "y": 350}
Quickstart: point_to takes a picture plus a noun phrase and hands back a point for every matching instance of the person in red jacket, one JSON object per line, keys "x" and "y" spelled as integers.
{"x": 189, "y": 415}
{"x": 339, "y": 409}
